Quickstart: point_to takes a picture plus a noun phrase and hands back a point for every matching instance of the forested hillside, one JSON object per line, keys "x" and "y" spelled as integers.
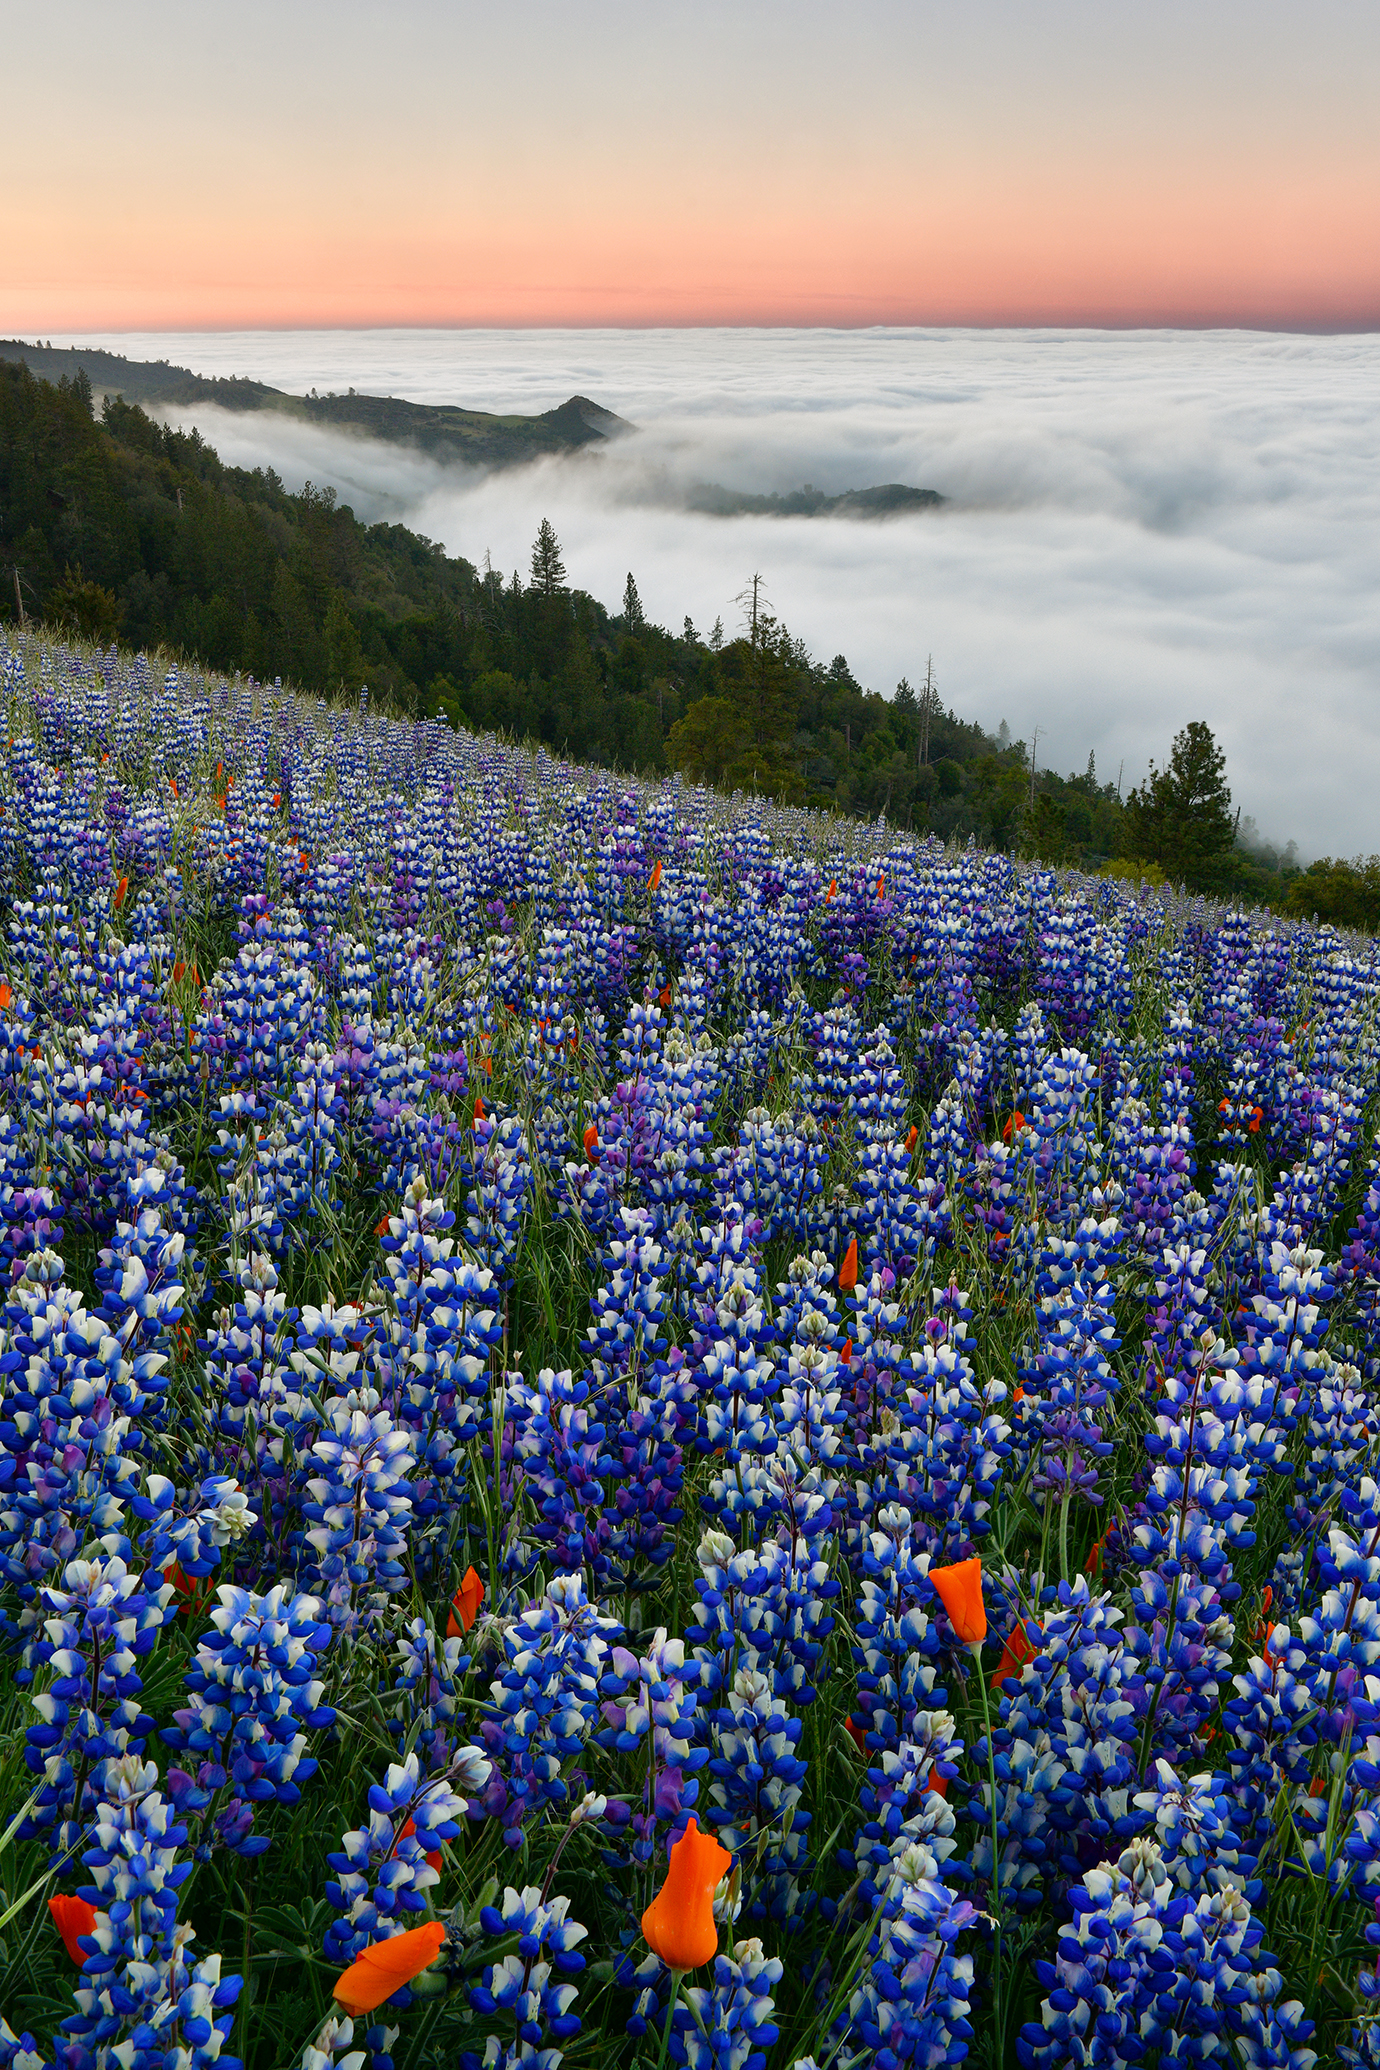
{"x": 120, "y": 528}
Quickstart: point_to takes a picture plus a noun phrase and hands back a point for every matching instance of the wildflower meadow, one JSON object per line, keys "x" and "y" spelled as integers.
{"x": 637, "y": 1428}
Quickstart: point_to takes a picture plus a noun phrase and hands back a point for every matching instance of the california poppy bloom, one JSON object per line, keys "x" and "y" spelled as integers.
{"x": 381, "y": 1226}
{"x": 380, "y": 1970}
{"x": 73, "y": 1916}
{"x": 121, "y": 892}
{"x": 911, "y": 1140}
{"x": 465, "y": 1604}
{"x": 857, "y": 1732}
{"x": 848, "y": 1271}
{"x": 6, "y": 998}
{"x": 846, "y": 1355}
{"x": 277, "y": 800}
{"x": 655, "y": 877}
{"x": 1257, "y": 1116}
{"x": 478, "y": 1107}
{"x": 1016, "y": 1652}
{"x": 1093, "y": 1563}
{"x": 663, "y": 997}
{"x": 881, "y": 887}
{"x": 1013, "y": 1125}
{"x": 175, "y": 791}
{"x": 679, "y": 1923}
{"x": 194, "y": 1595}
{"x": 591, "y": 1140}
{"x": 179, "y": 972}
{"x": 833, "y": 890}
{"x": 959, "y": 1589}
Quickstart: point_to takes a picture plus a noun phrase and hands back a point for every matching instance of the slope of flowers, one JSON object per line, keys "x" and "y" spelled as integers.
{"x": 559, "y": 1332}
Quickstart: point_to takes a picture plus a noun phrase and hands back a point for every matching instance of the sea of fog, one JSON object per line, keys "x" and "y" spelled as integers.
{"x": 1143, "y": 528}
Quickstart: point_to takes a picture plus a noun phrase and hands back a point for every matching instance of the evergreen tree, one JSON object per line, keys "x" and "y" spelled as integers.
{"x": 716, "y": 638}
{"x": 1181, "y": 817}
{"x": 548, "y": 569}
{"x": 633, "y": 616}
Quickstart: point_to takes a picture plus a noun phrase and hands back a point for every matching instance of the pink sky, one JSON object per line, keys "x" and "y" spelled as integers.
{"x": 994, "y": 162}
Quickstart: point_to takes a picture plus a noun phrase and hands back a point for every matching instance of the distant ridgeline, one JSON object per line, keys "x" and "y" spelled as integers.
{"x": 118, "y": 527}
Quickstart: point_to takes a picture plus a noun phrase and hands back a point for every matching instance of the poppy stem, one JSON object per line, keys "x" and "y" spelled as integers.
{"x": 996, "y": 1862}
{"x": 676, "y": 1975}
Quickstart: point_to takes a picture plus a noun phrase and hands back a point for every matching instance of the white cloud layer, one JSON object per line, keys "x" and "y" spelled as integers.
{"x": 1144, "y": 528}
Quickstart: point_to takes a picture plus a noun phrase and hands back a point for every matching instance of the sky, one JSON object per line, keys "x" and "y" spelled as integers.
{"x": 1090, "y": 162}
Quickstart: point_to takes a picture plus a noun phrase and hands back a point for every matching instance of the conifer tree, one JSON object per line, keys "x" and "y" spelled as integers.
{"x": 548, "y": 569}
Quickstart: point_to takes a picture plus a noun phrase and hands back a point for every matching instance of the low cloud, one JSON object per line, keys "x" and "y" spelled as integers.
{"x": 1142, "y": 530}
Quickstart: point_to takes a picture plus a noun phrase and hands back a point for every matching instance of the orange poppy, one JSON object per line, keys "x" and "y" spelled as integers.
{"x": 6, "y": 998}
{"x": 195, "y": 1595}
{"x": 881, "y": 887}
{"x": 465, "y": 1602}
{"x": 848, "y": 1271}
{"x": 1016, "y": 1652}
{"x": 959, "y": 1589}
{"x": 679, "y": 1923}
{"x": 938, "y": 1783}
{"x": 381, "y": 1226}
{"x": 846, "y": 1355}
{"x": 1257, "y": 1116}
{"x": 591, "y": 1140}
{"x": 277, "y": 800}
{"x": 833, "y": 890}
{"x": 911, "y": 1140}
{"x": 663, "y": 997}
{"x": 1013, "y": 1125}
{"x": 1093, "y": 1563}
{"x": 655, "y": 877}
{"x": 478, "y": 1107}
{"x": 1318, "y": 1786}
{"x": 432, "y": 1856}
{"x": 175, "y": 791}
{"x": 1222, "y": 1106}
{"x": 304, "y": 861}
{"x": 380, "y": 1971}
{"x": 73, "y": 1916}
{"x": 179, "y": 972}
{"x": 857, "y": 1733}
{"x": 121, "y": 892}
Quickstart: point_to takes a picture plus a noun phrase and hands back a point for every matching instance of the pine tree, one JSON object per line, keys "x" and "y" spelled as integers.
{"x": 716, "y": 638}
{"x": 1181, "y": 817}
{"x": 633, "y": 617}
{"x": 548, "y": 569}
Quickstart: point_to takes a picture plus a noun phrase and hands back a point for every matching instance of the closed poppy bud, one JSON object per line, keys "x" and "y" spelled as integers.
{"x": 379, "y": 1971}
{"x": 911, "y": 1140}
{"x": 1257, "y": 1116}
{"x": 6, "y": 998}
{"x": 179, "y": 972}
{"x": 465, "y": 1605}
{"x": 833, "y": 890}
{"x": 663, "y": 997}
{"x": 846, "y": 1355}
{"x": 881, "y": 887}
{"x": 591, "y": 1140}
{"x": 857, "y": 1732}
{"x": 478, "y": 1107}
{"x": 848, "y": 1271}
{"x": 1013, "y": 1125}
{"x": 73, "y": 1916}
{"x": 679, "y": 1923}
{"x": 121, "y": 892}
{"x": 277, "y": 800}
{"x": 959, "y": 1589}
{"x": 655, "y": 877}
{"x": 304, "y": 861}
{"x": 381, "y": 1226}
{"x": 1016, "y": 1652}
{"x": 175, "y": 791}
{"x": 1222, "y": 1106}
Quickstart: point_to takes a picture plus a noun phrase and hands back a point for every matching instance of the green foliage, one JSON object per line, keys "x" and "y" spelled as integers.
{"x": 1345, "y": 893}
